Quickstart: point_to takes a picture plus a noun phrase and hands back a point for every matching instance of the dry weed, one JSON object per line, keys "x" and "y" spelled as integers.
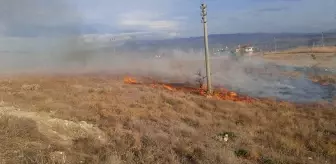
{"x": 147, "y": 125}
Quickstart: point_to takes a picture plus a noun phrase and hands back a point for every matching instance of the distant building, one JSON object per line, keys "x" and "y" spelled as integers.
{"x": 221, "y": 51}
{"x": 249, "y": 49}
{"x": 245, "y": 49}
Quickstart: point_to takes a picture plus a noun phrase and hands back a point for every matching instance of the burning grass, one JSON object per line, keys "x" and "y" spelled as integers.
{"x": 153, "y": 123}
{"x": 219, "y": 93}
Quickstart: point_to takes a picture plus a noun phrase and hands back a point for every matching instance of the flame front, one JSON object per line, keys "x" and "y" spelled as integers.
{"x": 129, "y": 80}
{"x": 232, "y": 96}
{"x": 168, "y": 87}
{"x": 220, "y": 94}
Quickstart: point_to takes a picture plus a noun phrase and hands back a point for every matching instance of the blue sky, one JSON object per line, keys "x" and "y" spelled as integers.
{"x": 171, "y": 17}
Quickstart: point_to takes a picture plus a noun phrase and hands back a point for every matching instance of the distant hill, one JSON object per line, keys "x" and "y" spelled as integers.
{"x": 265, "y": 41}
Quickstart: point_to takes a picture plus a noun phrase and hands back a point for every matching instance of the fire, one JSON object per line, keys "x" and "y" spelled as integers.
{"x": 232, "y": 96}
{"x": 220, "y": 94}
{"x": 129, "y": 80}
{"x": 168, "y": 87}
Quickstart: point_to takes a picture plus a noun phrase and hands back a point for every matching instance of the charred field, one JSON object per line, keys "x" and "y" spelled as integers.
{"x": 164, "y": 117}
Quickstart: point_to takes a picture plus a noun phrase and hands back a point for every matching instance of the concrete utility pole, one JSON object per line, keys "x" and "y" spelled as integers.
{"x": 206, "y": 47}
{"x": 275, "y": 45}
{"x": 322, "y": 39}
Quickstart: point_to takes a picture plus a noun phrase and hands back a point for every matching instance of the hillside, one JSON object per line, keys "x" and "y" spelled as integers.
{"x": 126, "y": 43}
{"x": 264, "y": 41}
{"x": 100, "y": 119}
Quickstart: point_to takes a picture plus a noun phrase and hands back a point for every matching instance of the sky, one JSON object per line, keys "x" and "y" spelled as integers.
{"x": 169, "y": 18}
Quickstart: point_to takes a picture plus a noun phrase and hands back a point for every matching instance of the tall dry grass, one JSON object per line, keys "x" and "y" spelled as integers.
{"x": 148, "y": 125}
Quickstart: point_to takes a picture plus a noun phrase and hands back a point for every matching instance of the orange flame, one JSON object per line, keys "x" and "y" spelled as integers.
{"x": 220, "y": 94}
{"x": 168, "y": 87}
{"x": 129, "y": 80}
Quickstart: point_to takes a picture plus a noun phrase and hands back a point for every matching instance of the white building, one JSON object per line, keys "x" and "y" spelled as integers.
{"x": 249, "y": 49}
{"x": 245, "y": 49}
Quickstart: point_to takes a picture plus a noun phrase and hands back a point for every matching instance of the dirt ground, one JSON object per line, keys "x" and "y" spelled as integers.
{"x": 99, "y": 119}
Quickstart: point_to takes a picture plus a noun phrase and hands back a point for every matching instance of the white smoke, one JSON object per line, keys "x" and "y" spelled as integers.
{"x": 47, "y": 50}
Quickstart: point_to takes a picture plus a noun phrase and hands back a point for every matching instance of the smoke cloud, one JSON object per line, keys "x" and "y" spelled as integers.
{"x": 39, "y": 36}
{"x": 38, "y": 17}
{"x": 36, "y": 34}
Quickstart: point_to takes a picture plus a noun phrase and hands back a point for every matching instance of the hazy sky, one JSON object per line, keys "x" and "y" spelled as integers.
{"x": 42, "y": 17}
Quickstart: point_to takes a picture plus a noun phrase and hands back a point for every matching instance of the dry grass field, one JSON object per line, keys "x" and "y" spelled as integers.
{"x": 100, "y": 119}
{"x": 327, "y": 49}
{"x": 324, "y": 57}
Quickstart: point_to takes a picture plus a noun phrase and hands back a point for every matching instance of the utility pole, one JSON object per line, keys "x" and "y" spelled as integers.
{"x": 275, "y": 45}
{"x": 206, "y": 47}
{"x": 322, "y": 39}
